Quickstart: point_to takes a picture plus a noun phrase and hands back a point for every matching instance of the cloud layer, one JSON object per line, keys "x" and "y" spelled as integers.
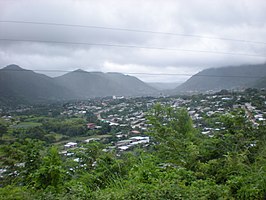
{"x": 239, "y": 19}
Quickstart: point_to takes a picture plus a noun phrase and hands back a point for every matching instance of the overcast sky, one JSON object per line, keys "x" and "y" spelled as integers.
{"x": 235, "y": 19}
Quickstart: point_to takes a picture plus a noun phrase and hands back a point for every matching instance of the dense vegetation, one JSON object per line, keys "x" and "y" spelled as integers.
{"x": 23, "y": 86}
{"x": 180, "y": 163}
{"x": 216, "y": 79}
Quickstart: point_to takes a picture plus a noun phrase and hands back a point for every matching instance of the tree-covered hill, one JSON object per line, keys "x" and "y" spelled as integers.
{"x": 21, "y": 86}
{"x": 216, "y": 79}
{"x": 97, "y": 84}
{"x": 18, "y": 85}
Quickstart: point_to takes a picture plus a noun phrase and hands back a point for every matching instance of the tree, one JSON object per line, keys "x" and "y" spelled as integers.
{"x": 87, "y": 155}
{"x": 11, "y": 155}
{"x": 174, "y": 133}
{"x": 91, "y": 117}
{"x": 51, "y": 172}
{"x": 3, "y": 130}
{"x": 106, "y": 128}
{"x": 31, "y": 157}
{"x": 22, "y": 159}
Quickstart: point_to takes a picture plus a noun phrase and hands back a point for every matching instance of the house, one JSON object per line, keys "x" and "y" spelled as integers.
{"x": 135, "y": 132}
{"x": 92, "y": 139}
{"x": 123, "y": 142}
{"x": 91, "y": 126}
{"x": 139, "y": 140}
{"x": 70, "y": 145}
{"x": 123, "y": 148}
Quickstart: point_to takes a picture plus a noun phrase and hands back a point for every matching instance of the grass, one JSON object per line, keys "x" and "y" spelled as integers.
{"x": 57, "y": 136}
{"x": 36, "y": 119}
{"x": 27, "y": 125}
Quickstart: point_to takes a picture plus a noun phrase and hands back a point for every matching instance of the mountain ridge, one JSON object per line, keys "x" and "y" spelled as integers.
{"x": 216, "y": 79}
{"x": 18, "y": 84}
{"x": 29, "y": 86}
{"x": 98, "y": 84}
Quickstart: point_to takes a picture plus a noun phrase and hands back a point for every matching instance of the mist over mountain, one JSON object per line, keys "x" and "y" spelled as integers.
{"x": 20, "y": 85}
{"x": 164, "y": 85}
{"x": 216, "y": 79}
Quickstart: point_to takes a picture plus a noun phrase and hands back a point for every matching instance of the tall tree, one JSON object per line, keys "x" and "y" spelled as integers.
{"x": 51, "y": 172}
{"x": 173, "y": 131}
{"x": 3, "y": 130}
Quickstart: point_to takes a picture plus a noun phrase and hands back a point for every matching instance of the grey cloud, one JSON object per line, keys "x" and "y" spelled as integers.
{"x": 240, "y": 19}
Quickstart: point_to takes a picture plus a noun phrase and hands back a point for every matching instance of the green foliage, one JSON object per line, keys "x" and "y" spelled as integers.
{"x": 27, "y": 125}
{"x": 3, "y": 130}
{"x": 70, "y": 127}
{"x": 106, "y": 128}
{"x": 32, "y": 157}
{"x": 11, "y": 155}
{"x": 51, "y": 172}
{"x": 174, "y": 132}
{"x": 179, "y": 164}
{"x": 16, "y": 193}
{"x": 91, "y": 117}
{"x": 108, "y": 169}
{"x": 87, "y": 155}
{"x": 22, "y": 158}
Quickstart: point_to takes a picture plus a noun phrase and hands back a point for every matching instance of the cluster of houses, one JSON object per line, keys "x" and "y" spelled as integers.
{"x": 211, "y": 105}
{"x": 123, "y": 145}
{"x": 128, "y": 116}
{"x": 120, "y": 146}
{"x": 130, "y": 113}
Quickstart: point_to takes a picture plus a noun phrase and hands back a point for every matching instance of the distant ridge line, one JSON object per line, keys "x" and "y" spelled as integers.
{"x": 132, "y": 73}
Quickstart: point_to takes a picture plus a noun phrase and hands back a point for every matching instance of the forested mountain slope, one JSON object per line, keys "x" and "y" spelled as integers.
{"x": 216, "y": 79}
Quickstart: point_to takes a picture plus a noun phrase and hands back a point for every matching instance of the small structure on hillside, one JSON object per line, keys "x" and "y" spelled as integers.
{"x": 135, "y": 132}
{"x": 92, "y": 139}
{"x": 91, "y": 125}
{"x": 70, "y": 145}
